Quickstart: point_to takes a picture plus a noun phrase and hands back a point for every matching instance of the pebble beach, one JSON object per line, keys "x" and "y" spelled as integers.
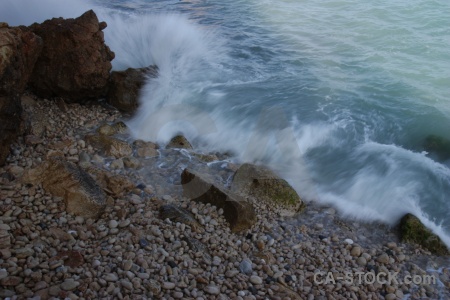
{"x": 132, "y": 252}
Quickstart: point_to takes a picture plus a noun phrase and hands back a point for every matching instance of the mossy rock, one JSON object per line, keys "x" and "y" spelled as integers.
{"x": 413, "y": 231}
{"x": 263, "y": 184}
{"x": 437, "y": 145}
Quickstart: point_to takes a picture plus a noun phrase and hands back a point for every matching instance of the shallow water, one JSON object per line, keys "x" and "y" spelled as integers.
{"x": 337, "y": 96}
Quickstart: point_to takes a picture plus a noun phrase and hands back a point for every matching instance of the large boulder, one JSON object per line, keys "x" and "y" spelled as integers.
{"x": 82, "y": 195}
{"x": 413, "y": 231}
{"x": 75, "y": 62}
{"x": 264, "y": 185}
{"x": 18, "y": 53}
{"x": 239, "y": 213}
{"x": 125, "y": 85}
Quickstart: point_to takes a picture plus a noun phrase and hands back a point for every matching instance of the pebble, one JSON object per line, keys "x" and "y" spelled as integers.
{"x": 383, "y": 258}
{"x": 168, "y": 285}
{"x": 69, "y": 284}
{"x": 113, "y": 224}
{"x": 212, "y": 290}
{"x": 256, "y": 279}
{"x": 356, "y": 251}
{"x": 246, "y": 266}
{"x": 111, "y": 277}
{"x": 348, "y": 241}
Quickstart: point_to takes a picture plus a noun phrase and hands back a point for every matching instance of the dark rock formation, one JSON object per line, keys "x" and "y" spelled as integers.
{"x": 81, "y": 193}
{"x": 75, "y": 62}
{"x": 18, "y": 53}
{"x": 438, "y": 146}
{"x": 264, "y": 185}
{"x": 237, "y": 211}
{"x": 179, "y": 141}
{"x": 413, "y": 231}
{"x": 125, "y": 85}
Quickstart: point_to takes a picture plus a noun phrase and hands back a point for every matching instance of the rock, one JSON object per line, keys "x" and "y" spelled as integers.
{"x": 438, "y": 146}
{"x": 19, "y": 51}
{"x": 264, "y": 185}
{"x": 113, "y": 224}
{"x": 239, "y": 213}
{"x": 356, "y": 251}
{"x": 145, "y": 149}
{"x": 34, "y": 118}
{"x": 109, "y": 145}
{"x": 111, "y": 277}
{"x": 383, "y": 258}
{"x": 212, "y": 290}
{"x": 74, "y": 62}
{"x": 60, "y": 234}
{"x": 246, "y": 266}
{"x": 24, "y": 252}
{"x": 116, "y": 128}
{"x": 11, "y": 281}
{"x": 117, "y": 164}
{"x": 124, "y": 87}
{"x": 72, "y": 258}
{"x": 131, "y": 162}
{"x": 168, "y": 285}
{"x": 256, "y": 279}
{"x": 81, "y": 193}
{"x": 69, "y": 284}
{"x": 348, "y": 241}
{"x": 3, "y": 274}
{"x": 178, "y": 214}
{"x": 361, "y": 261}
{"x": 413, "y": 231}
{"x": 179, "y": 141}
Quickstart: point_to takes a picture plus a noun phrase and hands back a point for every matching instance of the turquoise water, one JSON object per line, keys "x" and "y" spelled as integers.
{"x": 337, "y": 96}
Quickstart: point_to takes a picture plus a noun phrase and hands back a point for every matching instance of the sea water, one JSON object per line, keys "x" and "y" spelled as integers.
{"x": 337, "y": 96}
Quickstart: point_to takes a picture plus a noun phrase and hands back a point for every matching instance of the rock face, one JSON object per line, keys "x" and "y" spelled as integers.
{"x": 264, "y": 185}
{"x": 18, "y": 53}
{"x": 237, "y": 211}
{"x": 75, "y": 62}
{"x": 412, "y": 230}
{"x": 81, "y": 193}
{"x": 125, "y": 85}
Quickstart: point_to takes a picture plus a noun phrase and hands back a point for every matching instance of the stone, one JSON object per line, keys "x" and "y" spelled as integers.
{"x": 413, "y": 231}
{"x": 145, "y": 149}
{"x": 168, "y": 285}
{"x": 178, "y": 214}
{"x": 35, "y": 120}
{"x": 109, "y": 145}
{"x": 361, "y": 261}
{"x": 212, "y": 290}
{"x": 11, "y": 281}
{"x": 246, "y": 266}
{"x": 74, "y": 62}
{"x": 24, "y": 252}
{"x": 239, "y": 213}
{"x": 265, "y": 185}
{"x": 124, "y": 87}
{"x": 81, "y": 193}
{"x": 69, "y": 284}
{"x": 117, "y": 164}
{"x": 383, "y": 258}
{"x": 72, "y": 258}
{"x": 131, "y": 163}
{"x": 116, "y": 128}
{"x": 19, "y": 51}
{"x": 111, "y": 277}
{"x": 179, "y": 141}
{"x": 256, "y": 279}
{"x": 356, "y": 251}
{"x": 3, "y": 273}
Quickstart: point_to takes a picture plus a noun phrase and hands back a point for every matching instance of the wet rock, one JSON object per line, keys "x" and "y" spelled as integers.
{"x": 145, "y": 149}
{"x": 124, "y": 87}
{"x": 81, "y": 193}
{"x": 413, "y": 231}
{"x": 179, "y": 141}
{"x": 131, "y": 162}
{"x": 74, "y": 62}
{"x": 265, "y": 185}
{"x": 438, "y": 146}
{"x": 116, "y": 128}
{"x": 109, "y": 145}
{"x": 238, "y": 212}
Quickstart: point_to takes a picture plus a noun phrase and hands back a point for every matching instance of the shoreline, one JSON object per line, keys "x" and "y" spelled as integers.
{"x": 130, "y": 252}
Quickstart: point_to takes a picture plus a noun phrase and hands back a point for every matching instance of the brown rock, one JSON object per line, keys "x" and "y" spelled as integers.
{"x": 179, "y": 141}
{"x": 145, "y": 149}
{"x": 81, "y": 193}
{"x": 71, "y": 259}
{"x": 265, "y": 185}
{"x": 109, "y": 145}
{"x": 239, "y": 213}
{"x": 60, "y": 234}
{"x": 125, "y": 85}
{"x": 18, "y": 53}
{"x": 75, "y": 62}
{"x": 11, "y": 281}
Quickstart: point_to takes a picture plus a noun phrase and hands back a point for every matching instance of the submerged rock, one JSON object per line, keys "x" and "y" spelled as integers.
{"x": 179, "y": 141}
{"x": 125, "y": 85}
{"x": 145, "y": 149}
{"x": 263, "y": 184}
{"x": 412, "y": 230}
{"x": 437, "y": 145}
{"x": 75, "y": 62}
{"x": 64, "y": 179}
{"x": 116, "y": 128}
{"x": 239, "y": 213}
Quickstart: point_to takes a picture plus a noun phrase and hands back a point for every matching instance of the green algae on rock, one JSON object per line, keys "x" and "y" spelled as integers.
{"x": 412, "y": 230}
{"x": 263, "y": 184}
